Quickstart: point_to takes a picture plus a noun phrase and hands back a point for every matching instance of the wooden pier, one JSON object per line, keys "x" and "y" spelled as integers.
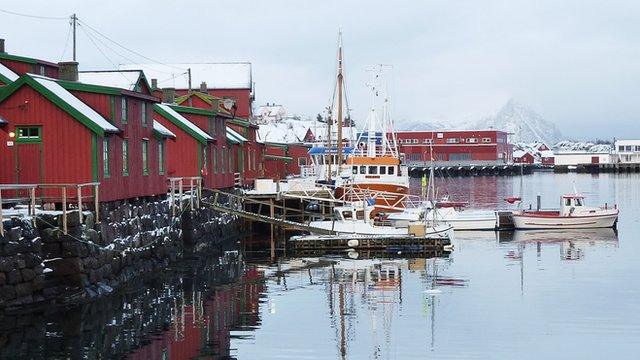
{"x": 444, "y": 170}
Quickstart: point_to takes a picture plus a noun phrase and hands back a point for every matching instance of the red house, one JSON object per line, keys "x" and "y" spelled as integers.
{"x": 470, "y": 146}
{"x": 51, "y": 136}
{"x": 21, "y": 65}
{"x": 523, "y": 157}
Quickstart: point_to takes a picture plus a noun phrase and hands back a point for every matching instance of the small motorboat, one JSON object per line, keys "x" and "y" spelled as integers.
{"x": 354, "y": 218}
{"x": 573, "y": 214}
{"x": 461, "y": 220}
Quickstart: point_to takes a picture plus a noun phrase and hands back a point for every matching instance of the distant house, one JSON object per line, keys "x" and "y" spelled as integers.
{"x": 547, "y": 157}
{"x": 231, "y": 80}
{"x": 627, "y": 151}
{"x": 523, "y": 157}
{"x": 270, "y": 113}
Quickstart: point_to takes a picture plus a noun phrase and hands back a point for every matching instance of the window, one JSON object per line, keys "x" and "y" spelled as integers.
{"x": 145, "y": 157}
{"x": 373, "y": 170}
{"x": 29, "y": 134}
{"x": 215, "y": 160}
{"x": 628, "y": 148}
{"x": 224, "y": 155}
{"x": 144, "y": 114}
{"x": 459, "y": 156}
{"x": 302, "y": 161}
{"x": 578, "y": 202}
{"x": 125, "y": 157}
{"x": 391, "y": 170}
{"x": 383, "y": 170}
{"x": 440, "y": 135}
{"x": 105, "y": 157}
{"x": 354, "y": 170}
{"x": 428, "y": 141}
{"x": 453, "y": 141}
{"x": 123, "y": 110}
{"x": 620, "y": 148}
{"x": 567, "y": 202}
{"x": 363, "y": 170}
{"x": 42, "y": 70}
{"x": 161, "y": 157}
{"x": 472, "y": 140}
{"x": 486, "y": 140}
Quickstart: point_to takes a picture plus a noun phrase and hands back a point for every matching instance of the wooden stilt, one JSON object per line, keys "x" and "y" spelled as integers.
{"x": 273, "y": 241}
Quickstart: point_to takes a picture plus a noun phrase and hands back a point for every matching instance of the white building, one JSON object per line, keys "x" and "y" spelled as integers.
{"x": 573, "y": 158}
{"x": 627, "y": 151}
{"x": 270, "y": 113}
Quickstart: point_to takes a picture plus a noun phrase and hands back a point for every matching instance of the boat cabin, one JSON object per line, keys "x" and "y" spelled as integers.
{"x": 570, "y": 204}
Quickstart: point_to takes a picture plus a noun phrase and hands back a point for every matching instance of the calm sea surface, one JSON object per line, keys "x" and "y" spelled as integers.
{"x": 520, "y": 295}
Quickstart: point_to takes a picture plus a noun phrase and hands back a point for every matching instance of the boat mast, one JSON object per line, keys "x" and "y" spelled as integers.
{"x": 371, "y": 135}
{"x": 340, "y": 81}
{"x": 328, "y": 154}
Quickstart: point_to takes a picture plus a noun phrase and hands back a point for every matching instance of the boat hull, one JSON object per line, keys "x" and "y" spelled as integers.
{"x": 390, "y": 197}
{"x": 606, "y": 219}
{"x": 363, "y": 228}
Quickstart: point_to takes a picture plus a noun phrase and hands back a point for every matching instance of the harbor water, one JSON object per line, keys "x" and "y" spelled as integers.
{"x": 508, "y": 295}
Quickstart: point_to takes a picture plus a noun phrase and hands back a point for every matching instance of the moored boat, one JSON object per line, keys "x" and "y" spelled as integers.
{"x": 573, "y": 214}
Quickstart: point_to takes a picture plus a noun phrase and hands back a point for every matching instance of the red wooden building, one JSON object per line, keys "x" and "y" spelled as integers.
{"x": 51, "y": 136}
{"x": 523, "y": 157}
{"x": 460, "y": 146}
{"x": 22, "y": 64}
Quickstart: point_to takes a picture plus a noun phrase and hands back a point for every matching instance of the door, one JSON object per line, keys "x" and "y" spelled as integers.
{"x": 28, "y": 156}
{"x": 595, "y": 160}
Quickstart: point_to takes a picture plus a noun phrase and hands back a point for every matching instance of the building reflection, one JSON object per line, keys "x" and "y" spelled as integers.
{"x": 189, "y": 311}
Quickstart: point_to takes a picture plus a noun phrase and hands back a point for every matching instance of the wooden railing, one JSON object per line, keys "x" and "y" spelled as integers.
{"x": 44, "y": 197}
{"x": 177, "y": 188}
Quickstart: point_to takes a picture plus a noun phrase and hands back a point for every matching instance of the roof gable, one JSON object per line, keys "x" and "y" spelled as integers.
{"x": 132, "y": 80}
{"x": 66, "y": 101}
{"x": 180, "y": 121}
{"x": 7, "y": 76}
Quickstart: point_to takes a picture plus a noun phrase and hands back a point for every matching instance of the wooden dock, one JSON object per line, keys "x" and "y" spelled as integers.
{"x": 368, "y": 242}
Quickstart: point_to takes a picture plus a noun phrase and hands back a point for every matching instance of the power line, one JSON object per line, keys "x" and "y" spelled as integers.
{"x": 127, "y": 49}
{"x": 33, "y": 16}
{"x": 102, "y": 52}
{"x": 66, "y": 43}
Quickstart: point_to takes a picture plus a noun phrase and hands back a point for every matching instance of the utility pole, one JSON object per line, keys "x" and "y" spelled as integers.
{"x": 189, "y": 92}
{"x": 74, "y": 19}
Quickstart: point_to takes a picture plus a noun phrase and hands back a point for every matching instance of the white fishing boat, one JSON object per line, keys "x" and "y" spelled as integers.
{"x": 573, "y": 214}
{"x": 461, "y": 220}
{"x": 355, "y": 218}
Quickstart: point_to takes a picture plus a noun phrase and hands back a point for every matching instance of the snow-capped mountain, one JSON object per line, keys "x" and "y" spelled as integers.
{"x": 597, "y": 147}
{"x": 525, "y": 124}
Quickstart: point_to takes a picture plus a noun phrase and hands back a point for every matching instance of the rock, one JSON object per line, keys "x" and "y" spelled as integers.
{"x": 66, "y": 266}
{"x": 38, "y": 282}
{"x": 89, "y": 221}
{"x": 73, "y": 219}
{"x": 10, "y": 248}
{"x": 3, "y": 279}
{"x": 24, "y": 289}
{"x": 27, "y": 274}
{"x": 45, "y": 221}
{"x": 31, "y": 260}
{"x": 93, "y": 236}
{"x": 6, "y": 264}
{"x": 14, "y": 234}
{"x": 19, "y": 263}
{"x": 14, "y": 277}
{"x": 7, "y": 292}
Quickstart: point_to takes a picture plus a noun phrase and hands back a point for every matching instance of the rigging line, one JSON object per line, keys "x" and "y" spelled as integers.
{"x": 33, "y": 16}
{"x": 114, "y": 51}
{"x": 103, "y": 54}
{"x": 127, "y": 49}
{"x": 66, "y": 43}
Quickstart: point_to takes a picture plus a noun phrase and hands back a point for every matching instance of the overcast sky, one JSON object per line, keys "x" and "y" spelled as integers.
{"x": 576, "y": 62}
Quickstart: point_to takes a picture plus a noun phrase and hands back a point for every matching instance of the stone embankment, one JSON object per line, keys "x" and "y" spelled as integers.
{"x": 39, "y": 264}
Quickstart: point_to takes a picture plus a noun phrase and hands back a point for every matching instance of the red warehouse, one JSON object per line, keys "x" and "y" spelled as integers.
{"x": 459, "y": 147}
{"x": 523, "y": 157}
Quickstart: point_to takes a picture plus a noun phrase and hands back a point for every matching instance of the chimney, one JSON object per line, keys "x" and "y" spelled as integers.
{"x": 154, "y": 84}
{"x": 215, "y": 104}
{"x": 169, "y": 95}
{"x": 203, "y": 87}
{"x": 68, "y": 70}
{"x": 2, "y": 46}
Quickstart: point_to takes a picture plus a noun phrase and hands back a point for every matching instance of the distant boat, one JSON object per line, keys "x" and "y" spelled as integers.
{"x": 573, "y": 214}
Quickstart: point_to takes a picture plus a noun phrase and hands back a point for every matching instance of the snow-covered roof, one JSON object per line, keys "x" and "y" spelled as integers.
{"x": 8, "y": 73}
{"x": 117, "y": 79}
{"x": 183, "y": 122}
{"x": 235, "y": 136}
{"x": 286, "y": 131}
{"x": 229, "y": 75}
{"x": 75, "y": 103}
{"x": 519, "y": 153}
{"x": 546, "y": 153}
{"x": 162, "y": 130}
{"x": 3, "y": 121}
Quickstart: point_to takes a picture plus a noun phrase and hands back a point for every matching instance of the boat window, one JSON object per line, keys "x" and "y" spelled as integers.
{"x": 363, "y": 170}
{"x": 360, "y": 214}
{"x": 354, "y": 170}
{"x": 373, "y": 170}
{"x": 578, "y": 202}
{"x": 347, "y": 215}
{"x": 390, "y": 170}
{"x": 567, "y": 202}
{"x": 383, "y": 170}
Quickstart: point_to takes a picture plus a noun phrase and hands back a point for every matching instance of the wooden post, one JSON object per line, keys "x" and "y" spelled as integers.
{"x": 80, "y": 203}
{"x": 199, "y": 191}
{"x": 32, "y": 204}
{"x": 273, "y": 244}
{"x": 191, "y": 193}
{"x": 1, "y": 224}
{"x": 64, "y": 209}
{"x": 173, "y": 198}
{"x": 180, "y": 193}
{"x": 96, "y": 199}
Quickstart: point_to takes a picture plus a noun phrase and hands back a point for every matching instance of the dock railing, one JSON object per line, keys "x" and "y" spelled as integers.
{"x": 178, "y": 188}
{"x": 45, "y": 196}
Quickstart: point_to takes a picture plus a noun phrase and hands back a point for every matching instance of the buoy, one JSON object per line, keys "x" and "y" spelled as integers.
{"x": 353, "y": 243}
